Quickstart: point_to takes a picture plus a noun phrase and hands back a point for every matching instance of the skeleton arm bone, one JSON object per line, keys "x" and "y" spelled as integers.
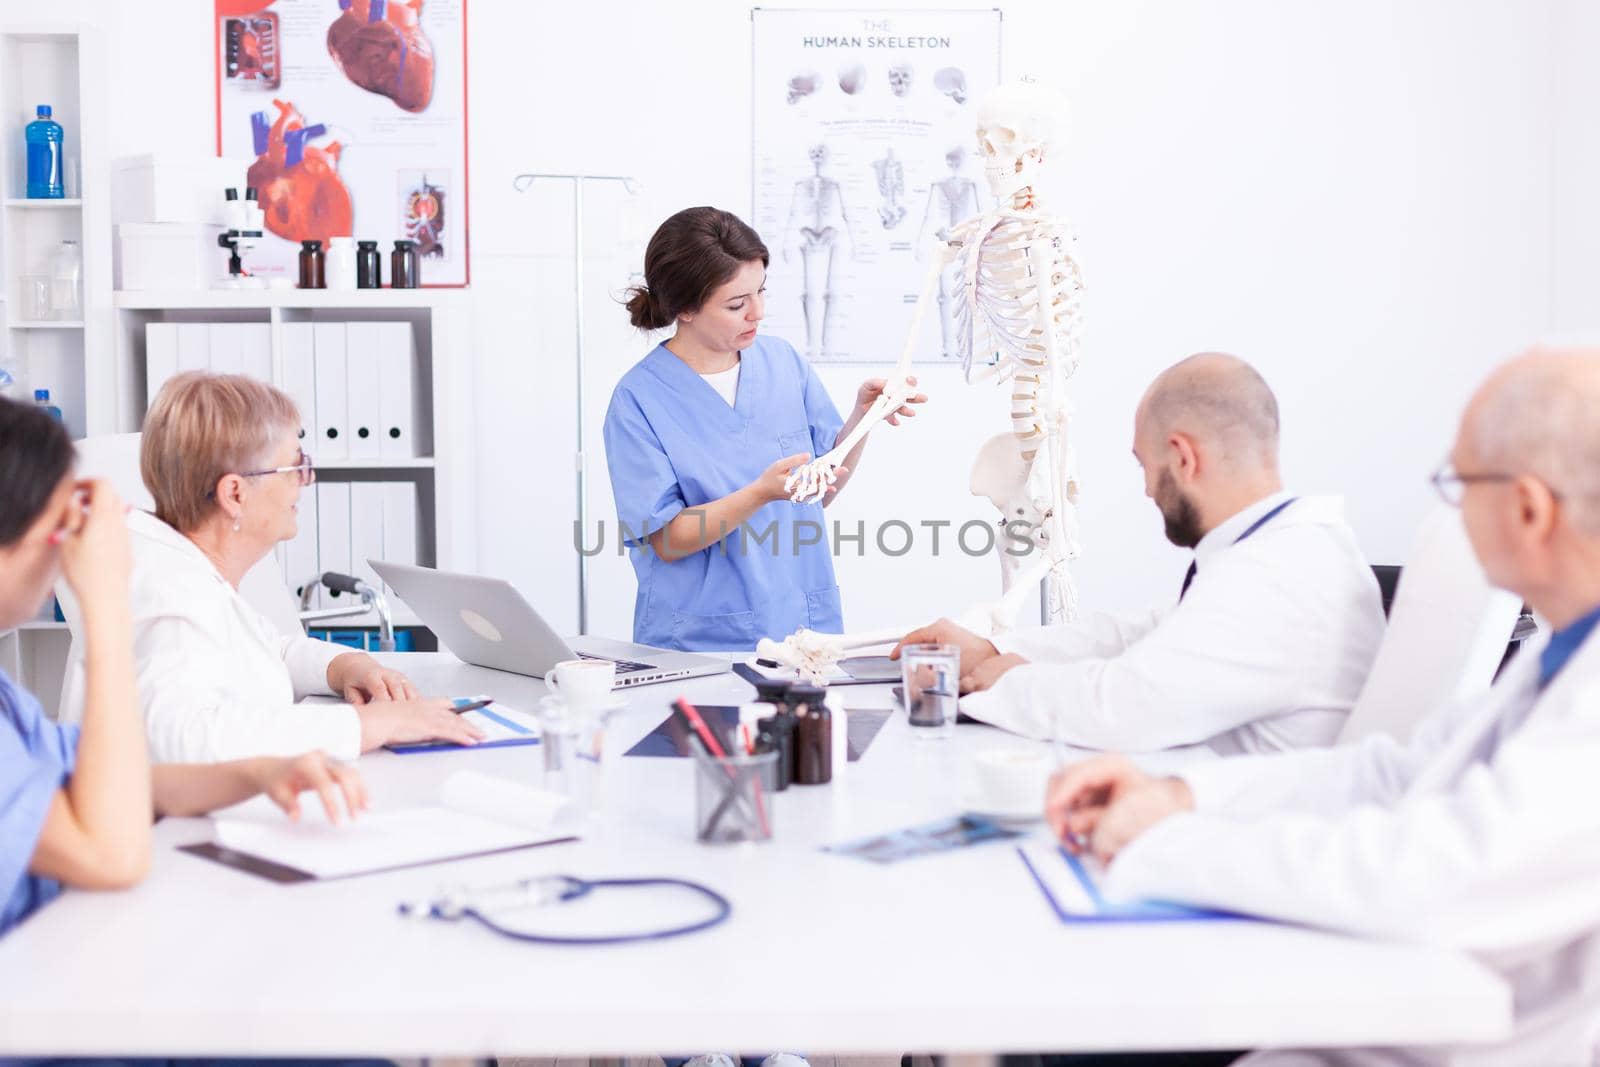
{"x": 813, "y": 653}
{"x": 811, "y": 481}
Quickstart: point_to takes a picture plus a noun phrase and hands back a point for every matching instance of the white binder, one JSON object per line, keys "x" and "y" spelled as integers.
{"x": 300, "y": 559}
{"x": 300, "y": 382}
{"x": 255, "y": 350}
{"x": 362, "y": 340}
{"x": 160, "y": 357}
{"x": 223, "y": 340}
{"x": 397, "y": 392}
{"x": 333, "y": 439}
{"x": 333, "y": 536}
{"x": 194, "y": 346}
{"x": 400, "y": 522}
{"x": 366, "y": 530}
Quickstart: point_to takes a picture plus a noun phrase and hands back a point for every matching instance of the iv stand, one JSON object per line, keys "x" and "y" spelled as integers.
{"x": 521, "y": 183}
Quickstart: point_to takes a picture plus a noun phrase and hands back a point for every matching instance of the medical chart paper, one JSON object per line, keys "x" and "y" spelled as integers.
{"x": 501, "y": 726}
{"x": 477, "y": 814}
{"x": 1071, "y": 886}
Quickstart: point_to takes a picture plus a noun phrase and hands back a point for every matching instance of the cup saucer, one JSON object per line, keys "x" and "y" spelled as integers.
{"x": 992, "y": 809}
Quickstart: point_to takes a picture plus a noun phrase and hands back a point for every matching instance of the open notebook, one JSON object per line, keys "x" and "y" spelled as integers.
{"x": 1071, "y": 885}
{"x": 477, "y": 814}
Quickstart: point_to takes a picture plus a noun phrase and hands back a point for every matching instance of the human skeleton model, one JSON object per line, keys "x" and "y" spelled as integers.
{"x": 1020, "y": 290}
{"x": 891, "y": 185}
{"x": 951, "y": 201}
{"x": 817, "y": 218}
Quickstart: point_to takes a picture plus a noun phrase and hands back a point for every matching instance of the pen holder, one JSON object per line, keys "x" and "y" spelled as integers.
{"x": 731, "y": 801}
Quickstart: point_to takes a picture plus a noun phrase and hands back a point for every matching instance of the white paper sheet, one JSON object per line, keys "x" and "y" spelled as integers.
{"x": 494, "y": 730}
{"x": 478, "y": 813}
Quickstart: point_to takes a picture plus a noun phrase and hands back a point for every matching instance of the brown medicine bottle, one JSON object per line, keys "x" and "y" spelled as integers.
{"x": 312, "y": 266}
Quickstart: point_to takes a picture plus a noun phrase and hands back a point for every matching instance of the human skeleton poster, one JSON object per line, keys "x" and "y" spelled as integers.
{"x": 864, "y": 157}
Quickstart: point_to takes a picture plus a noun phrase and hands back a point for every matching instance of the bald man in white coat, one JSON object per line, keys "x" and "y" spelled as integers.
{"x": 1482, "y": 833}
{"x": 1272, "y": 635}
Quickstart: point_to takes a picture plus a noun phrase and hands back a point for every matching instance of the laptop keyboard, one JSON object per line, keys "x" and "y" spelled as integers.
{"x": 624, "y": 666}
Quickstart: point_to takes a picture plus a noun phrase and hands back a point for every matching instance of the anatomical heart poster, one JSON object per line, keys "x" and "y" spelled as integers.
{"x": 354, "y": 115}
{"x": 865, "y": 155}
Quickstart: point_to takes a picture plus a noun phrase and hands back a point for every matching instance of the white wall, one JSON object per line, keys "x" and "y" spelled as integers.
{"x": 1576, "y": 173}
{"x": 1358, "y": 196}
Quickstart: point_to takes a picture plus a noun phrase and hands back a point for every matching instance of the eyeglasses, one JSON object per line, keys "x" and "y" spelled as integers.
{"x": 1452, "y": 484}
{"x": 305, "y": 468}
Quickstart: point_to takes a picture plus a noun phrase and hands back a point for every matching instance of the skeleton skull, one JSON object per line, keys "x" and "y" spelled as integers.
{"x": 852, "y": 76}
{"x": 818, "y": 154}
{"x": 1017, "y": 123}
{"x": 802, "y": 85}
{"x": 900, "y": 79}
{"x": 952, "y": 83}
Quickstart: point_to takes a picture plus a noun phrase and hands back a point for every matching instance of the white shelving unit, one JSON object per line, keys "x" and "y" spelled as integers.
{"x": 60, "y": 64}
{"x": 427, "y": 311}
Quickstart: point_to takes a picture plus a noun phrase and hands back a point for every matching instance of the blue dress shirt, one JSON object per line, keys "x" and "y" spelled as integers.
{"x": 1563, "y": 643}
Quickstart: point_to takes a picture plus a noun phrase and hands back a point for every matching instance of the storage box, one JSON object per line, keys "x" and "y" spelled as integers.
{"x": 187, "y": 189}
{"x": 167, "y": 255}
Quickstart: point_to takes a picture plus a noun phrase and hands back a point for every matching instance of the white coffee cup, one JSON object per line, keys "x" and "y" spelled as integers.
{"x": 582, "y": 683}
{"x": 1013, "y": 781}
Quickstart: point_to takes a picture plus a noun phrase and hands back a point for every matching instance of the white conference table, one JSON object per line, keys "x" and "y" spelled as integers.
{"x": 823, "y": 953}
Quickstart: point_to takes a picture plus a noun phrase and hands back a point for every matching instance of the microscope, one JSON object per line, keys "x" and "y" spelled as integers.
{"x": 245, "y": 225}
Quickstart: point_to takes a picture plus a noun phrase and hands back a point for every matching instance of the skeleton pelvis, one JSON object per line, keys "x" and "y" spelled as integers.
{"x": 1001, "y": 473}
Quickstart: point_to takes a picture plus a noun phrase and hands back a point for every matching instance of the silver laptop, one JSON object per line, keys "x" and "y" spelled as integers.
{"x": 486, "y": 622}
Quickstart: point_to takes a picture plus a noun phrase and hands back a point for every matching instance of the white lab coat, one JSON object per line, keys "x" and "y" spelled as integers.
{"x": 1482, "y": 834}
{"x": 217, "y": 681}
{"x": 1266, "y": 652}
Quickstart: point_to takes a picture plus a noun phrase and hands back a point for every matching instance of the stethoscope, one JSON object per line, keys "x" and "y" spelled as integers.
{"x": 461, "y": 903}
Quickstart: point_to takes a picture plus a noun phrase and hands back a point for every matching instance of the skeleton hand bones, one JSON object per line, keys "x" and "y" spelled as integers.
{"x": 811, "y": 481}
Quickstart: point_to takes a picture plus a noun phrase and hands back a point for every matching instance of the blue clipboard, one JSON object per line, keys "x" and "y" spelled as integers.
{"x": 1091, "y": 906}
{"x": 524, "y": 736}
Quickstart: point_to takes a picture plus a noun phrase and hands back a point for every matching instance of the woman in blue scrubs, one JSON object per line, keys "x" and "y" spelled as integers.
{"x": 700, "y": 436}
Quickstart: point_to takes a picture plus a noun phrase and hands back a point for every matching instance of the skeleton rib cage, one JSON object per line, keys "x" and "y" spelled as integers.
{"x": 997, "y": 299}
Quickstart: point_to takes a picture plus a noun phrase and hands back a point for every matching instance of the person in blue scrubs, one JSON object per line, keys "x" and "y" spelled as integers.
{"x": 700, "y": 436}
{"x": 76, "y": 801}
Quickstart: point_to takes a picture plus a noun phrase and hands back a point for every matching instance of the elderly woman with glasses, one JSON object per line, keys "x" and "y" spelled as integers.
{"x": 217, "y": 680}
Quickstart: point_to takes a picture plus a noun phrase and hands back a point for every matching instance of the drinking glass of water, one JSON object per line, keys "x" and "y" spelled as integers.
{"x": 931, "y": 675}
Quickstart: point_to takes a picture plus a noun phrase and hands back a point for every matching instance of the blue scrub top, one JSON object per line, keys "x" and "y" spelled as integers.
{"x": 672, "y": 442}
{"x": 36, "y": 759}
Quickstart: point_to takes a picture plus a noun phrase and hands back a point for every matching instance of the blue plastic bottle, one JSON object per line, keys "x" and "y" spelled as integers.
{"x": 44, "y": 157}
{"x": 41, "y": 397}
